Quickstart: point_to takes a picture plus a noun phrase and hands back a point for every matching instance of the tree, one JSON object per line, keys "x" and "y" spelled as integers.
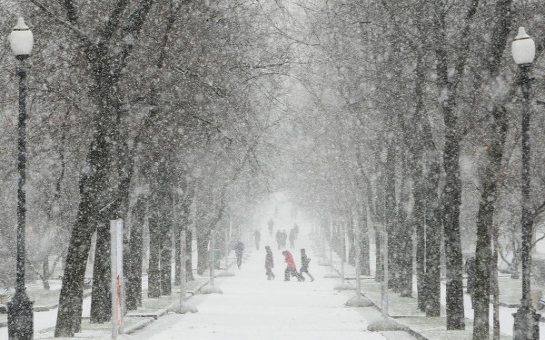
{"x": 98, "y": 187}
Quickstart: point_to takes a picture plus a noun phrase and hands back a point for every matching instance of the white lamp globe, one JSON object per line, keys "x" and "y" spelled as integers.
{"x": 523, "y": 48}
{"x": 21, "y": 40}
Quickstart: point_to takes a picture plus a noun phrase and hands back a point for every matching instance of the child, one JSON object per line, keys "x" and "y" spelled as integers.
{"x": 291, "y": 270}
{"x": 304, "y": 264}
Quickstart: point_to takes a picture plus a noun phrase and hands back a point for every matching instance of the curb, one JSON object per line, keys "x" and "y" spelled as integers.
{"x": 407, "y": 327}
{"x": 140, "y": 325}
{"x": 45, "y": 308}
{"x": 404, "y": 327}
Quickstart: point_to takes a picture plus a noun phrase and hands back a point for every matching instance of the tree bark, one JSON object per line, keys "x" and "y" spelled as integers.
{"x": 351, "y": 243}
{"x": 95, "y": 194}
{"x": 71, "y": 296}
{"x": 100, "y": 298}
{"x": 154, "y": 272}
{"x": 365, "y": 266}
{"x": 166, "y": 256}
{"x": 451, "y": 224}
{"x": 97, "y": 191}
{"x": 202, "y": 251}
{"x": 485, "y": 265}
{"x": 433, "y": 234}
{"x": 448, "y": 79}
{"x": 177, "y": 253}
{"x": 134, "y": 255}
{"x": 189, "y": 260}
{"x": 391, "y": 217}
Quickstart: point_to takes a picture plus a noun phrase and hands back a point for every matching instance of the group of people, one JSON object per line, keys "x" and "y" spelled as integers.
{"x": 282, "y": 236}
{"x": 291, "y": 268}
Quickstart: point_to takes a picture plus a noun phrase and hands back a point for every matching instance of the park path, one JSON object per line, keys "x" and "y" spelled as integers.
{"x": 251, "y": 307}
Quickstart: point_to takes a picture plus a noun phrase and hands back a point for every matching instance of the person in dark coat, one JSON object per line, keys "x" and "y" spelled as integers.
{"x": 269, "y": 263}
{"x": 239, "y": 250}
{"x": 470, "y": 270}
{"x": 278, "y": 237}
{"x": 305, "y": 260}
{"x": 292, "y": 238}
{"x": 291, "y": 269}
{"x": 296, "y": 230}
{"x": 284, "y": 238}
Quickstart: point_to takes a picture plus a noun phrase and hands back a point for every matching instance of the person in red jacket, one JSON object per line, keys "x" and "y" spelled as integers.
{"x": 291, "y": 269}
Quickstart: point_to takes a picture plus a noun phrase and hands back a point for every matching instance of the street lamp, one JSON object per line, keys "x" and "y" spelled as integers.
{"x": 20, "y": 314}
{"x": 526, "y": 325}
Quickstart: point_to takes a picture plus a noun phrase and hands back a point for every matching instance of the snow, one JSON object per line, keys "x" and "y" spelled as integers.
{"x": 251, "y": 307}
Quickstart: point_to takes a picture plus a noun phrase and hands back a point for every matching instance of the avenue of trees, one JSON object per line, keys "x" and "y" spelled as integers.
{"x": 418, "y": 111}
{"x": 378, "y": 116}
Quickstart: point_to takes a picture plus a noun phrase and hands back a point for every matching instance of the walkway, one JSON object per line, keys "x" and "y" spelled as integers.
{"x": 253, "y": 308}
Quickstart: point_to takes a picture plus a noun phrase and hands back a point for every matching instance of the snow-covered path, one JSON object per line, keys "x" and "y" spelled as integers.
{"x": 253, "y": 308}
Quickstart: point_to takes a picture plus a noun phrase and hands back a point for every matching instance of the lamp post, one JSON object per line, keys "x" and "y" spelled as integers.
{"x": 526, "y": 325}
{"x": 20, "y": 314}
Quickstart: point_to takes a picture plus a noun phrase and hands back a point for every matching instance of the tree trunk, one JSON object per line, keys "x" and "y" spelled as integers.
{"x": 351, "y": 243}
{"x": 177, "y": 253}
{"x": 99, "y": 192}
{"x": 46, "y": 273}
{"x": 100, "y": 299}
{"x": 166, "y": 255}
{"x": 451, "y": 224}
{"x": 134, "y": 255}
{"x": 495, "y": 285}
{"x": 485, "y": 226}
{"x": 405, "y": 233}
{"x": 391, "y": 218}
{"x": 71, "y": 296}
{"x": 202, "y": 252}
{"x": 434, "y": 233}
{"x": 406, "y": 260}
{"x": 91, "y": 184}
{"x": 415, "y": 164}
{"x": 365, "y": 266}
{"x": 154, "y": 272}
{"x": 420, "y": 228}
{"x": 379, "y": 273}
{"x": 486, "y": 264}
{"x": 189, "y": 259}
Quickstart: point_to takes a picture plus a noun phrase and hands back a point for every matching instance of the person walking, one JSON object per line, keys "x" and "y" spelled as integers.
{"x": 305, "y": 260}
{"x": 257, "y": 239}
{"x": 284, "y": 238}
{"x": 292, "y": 238}
{"x": 291, "y": 269}
{"x": 269, "y": 263}
{"x": 278, "y": 237}
{"x": 239, "y": 250}
{"x": 271, "y": 226}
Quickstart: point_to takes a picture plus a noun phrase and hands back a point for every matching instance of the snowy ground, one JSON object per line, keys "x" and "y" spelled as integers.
{"x": 253, "y": 308}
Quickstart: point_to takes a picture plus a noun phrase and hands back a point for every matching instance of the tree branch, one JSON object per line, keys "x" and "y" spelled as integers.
{"x": 68, "y": 24}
